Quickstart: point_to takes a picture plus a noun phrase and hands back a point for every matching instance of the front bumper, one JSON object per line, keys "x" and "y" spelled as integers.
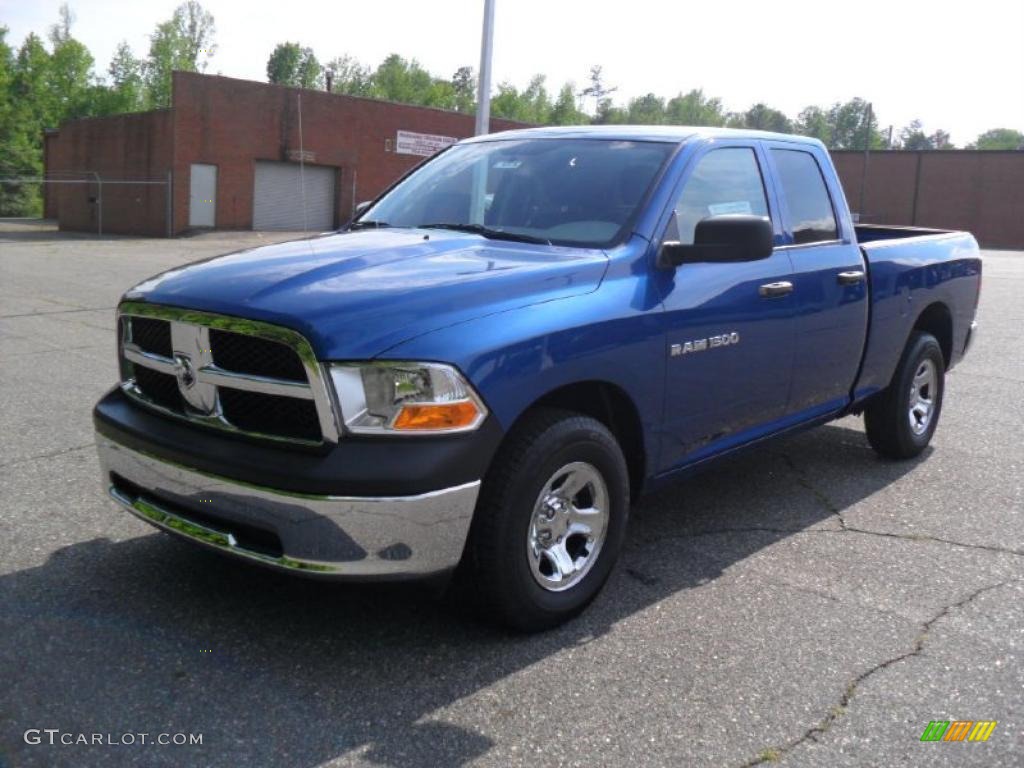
{"x": 343, "y": 537}
{"x": 972, "y": 331}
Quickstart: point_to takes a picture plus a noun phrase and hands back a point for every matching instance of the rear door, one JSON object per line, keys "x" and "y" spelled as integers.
{"x": 829, "y": 279}
{"x": 729, "y": 326}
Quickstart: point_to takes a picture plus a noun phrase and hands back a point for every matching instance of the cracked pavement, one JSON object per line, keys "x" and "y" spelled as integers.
{"x": 806, "y": 604}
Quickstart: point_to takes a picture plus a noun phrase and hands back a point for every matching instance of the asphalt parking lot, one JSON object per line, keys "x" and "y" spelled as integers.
{"x": 807, "y": 604}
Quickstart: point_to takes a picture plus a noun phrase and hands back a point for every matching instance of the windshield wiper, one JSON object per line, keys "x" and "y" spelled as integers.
{"x": 367, "y": 224}
{"x": 493, "y": 234}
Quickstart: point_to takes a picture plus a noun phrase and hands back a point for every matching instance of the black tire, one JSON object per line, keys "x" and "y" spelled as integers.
{"x": 888, "y": 417}
{"x": 496, "y": 569}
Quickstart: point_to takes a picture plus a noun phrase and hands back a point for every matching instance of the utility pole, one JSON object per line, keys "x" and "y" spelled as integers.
{"x": 483, "y": 95}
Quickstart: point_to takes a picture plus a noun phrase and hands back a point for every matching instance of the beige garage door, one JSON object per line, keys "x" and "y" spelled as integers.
{"x": 278, "y": 198}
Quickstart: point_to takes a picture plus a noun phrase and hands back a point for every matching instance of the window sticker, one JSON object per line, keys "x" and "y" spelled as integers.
{"x": 508, "y": 164}
{"x": 738, "y": 206}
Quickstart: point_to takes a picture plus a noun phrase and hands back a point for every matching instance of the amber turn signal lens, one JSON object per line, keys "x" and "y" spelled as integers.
{"x": 437, "y": 416}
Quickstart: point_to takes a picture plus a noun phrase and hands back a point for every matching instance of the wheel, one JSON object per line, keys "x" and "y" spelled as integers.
{"x": 900, "y": 422}
{"x": 550, "y": 522}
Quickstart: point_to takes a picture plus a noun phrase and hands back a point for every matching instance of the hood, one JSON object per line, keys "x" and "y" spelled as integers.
{"x": 355, "y": 295}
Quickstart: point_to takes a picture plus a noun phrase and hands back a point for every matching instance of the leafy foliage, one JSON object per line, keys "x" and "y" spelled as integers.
{"x": 183, "y": 42}
{"x": 1000, "y": 138}
{"x": 348, "y": 76}
{"x": 914, "y": 137}
{"x": 291, "y": 64}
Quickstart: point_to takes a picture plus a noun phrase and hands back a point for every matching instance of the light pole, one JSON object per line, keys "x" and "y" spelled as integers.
{"x": 483, "y": 94}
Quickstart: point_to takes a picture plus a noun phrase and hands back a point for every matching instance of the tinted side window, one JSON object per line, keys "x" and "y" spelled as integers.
{"x": 810, "y": 209}
{"x": 725, "y": 181}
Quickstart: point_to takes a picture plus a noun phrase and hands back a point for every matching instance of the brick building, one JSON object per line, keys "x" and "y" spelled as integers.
{"x": 226, "y": 155}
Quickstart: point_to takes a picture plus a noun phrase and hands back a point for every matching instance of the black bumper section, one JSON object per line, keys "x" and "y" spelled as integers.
{"x": 356, "y": 466}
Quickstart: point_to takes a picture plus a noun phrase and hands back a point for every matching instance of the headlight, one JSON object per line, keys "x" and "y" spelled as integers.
{"x": 392, "y": 397}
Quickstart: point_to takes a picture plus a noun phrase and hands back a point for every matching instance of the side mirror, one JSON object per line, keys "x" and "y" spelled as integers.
{"x": 362, "y": 207}
{"x": 722, "y": 239}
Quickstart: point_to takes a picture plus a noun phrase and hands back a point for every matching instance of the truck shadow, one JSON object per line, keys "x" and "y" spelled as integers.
{"x": 152, "y": 635}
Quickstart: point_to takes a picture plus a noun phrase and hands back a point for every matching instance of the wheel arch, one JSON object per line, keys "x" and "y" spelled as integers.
{"x": 937, "y": 319}
{"x": 611, "y": 405}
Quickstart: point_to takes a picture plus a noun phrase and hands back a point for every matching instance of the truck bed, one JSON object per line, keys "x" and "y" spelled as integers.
{"x": 913, "y": 270}
{"x": 870, "y": 233}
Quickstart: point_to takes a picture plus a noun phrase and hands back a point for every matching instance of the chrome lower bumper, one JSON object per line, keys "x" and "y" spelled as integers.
{"x": 332, "y": 536}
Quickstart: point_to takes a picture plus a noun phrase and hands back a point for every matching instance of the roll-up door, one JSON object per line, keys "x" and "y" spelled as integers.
{"x": 278, "y": 197}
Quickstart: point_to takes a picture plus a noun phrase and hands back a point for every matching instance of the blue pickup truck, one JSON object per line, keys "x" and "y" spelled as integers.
{"x": 481, "y": 372}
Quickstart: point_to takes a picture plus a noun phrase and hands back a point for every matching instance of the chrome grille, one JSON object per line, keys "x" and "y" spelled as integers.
{"x": 224, "y": 372}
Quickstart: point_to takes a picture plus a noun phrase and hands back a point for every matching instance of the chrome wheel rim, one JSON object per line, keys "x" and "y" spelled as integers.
{"x": 923, "y": 390}
{"x": 568, "y": 526}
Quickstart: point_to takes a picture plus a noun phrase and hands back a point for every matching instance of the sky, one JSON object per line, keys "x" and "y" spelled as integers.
{"x": 955, "y": 65}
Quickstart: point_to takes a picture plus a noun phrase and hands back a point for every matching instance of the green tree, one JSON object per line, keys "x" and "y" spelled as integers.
{"x": 348, "y": 76}
{"x": 565, "y": 110}
{"x": 61, "y": 31}
{"x": 292, "y": 64}
{"x": 694, "y": 108}
{"x": 508, "y": 103}
{"x": 183, "y": 42}
{"x": 646, "y": 110}
{"x": 127, "y": 91}
{"x": 25, "y": 110}
{"x": 531, "y": 105}
{"x": 761, "y": 117}
{"x": 399, "y": 79}
{"x": 914, "y": 137}
{"x": 999, "y": 138}
{"x": 941, "y": 140}
{"x": 597, "y": 90}
{"x": 814, "y": 121}
{"x": 853, "y": 125}
{"x": 71, "y": 81}
{"x": 609, "y": 114}
{"x": 405, "y": 81}
{"x": 464, "y": 87}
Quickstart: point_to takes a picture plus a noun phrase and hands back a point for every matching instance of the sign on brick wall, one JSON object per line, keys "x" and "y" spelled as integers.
{"x": 424, "y": 144}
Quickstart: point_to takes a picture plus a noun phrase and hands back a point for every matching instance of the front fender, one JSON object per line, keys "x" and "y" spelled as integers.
{"x": 614, "y": 335}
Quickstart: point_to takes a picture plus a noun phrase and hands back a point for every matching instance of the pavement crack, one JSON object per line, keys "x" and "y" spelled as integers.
{"x": 804, "y": 481}
{"x": 775, "y": 753}
{"x": 936, "y": 539}
{"x": 57, "y": 312}
{"x": 911, "y": 537}
{"x": 51, "y": 455}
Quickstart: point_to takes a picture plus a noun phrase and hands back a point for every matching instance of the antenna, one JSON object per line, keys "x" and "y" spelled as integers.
{"x": 302, "y": 169}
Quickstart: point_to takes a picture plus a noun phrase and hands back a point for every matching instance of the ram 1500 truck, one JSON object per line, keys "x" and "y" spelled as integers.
{"x": 480, "y": 372}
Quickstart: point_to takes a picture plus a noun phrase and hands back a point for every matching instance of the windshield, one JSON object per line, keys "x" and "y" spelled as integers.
{"x": 563, "y": 191}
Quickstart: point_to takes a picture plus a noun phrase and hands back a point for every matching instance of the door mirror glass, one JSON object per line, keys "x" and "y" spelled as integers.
{"x": 724, "y": 238}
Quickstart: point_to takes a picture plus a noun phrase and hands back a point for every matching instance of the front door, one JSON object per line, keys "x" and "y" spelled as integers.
{"x": 202, "y": 198}
{"x": 729, "y": 326}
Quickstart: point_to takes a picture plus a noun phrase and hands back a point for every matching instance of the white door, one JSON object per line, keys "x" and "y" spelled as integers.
{"x": 285, "y": 197}
{"x": 202, "y": 200}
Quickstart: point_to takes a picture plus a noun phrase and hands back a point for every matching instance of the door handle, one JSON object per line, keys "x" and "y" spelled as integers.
{"x": 850, "y": 278}
{"x": 775, "y": 290}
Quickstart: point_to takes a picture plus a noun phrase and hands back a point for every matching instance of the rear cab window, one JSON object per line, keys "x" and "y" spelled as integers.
{"x": 811, "y": 215}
